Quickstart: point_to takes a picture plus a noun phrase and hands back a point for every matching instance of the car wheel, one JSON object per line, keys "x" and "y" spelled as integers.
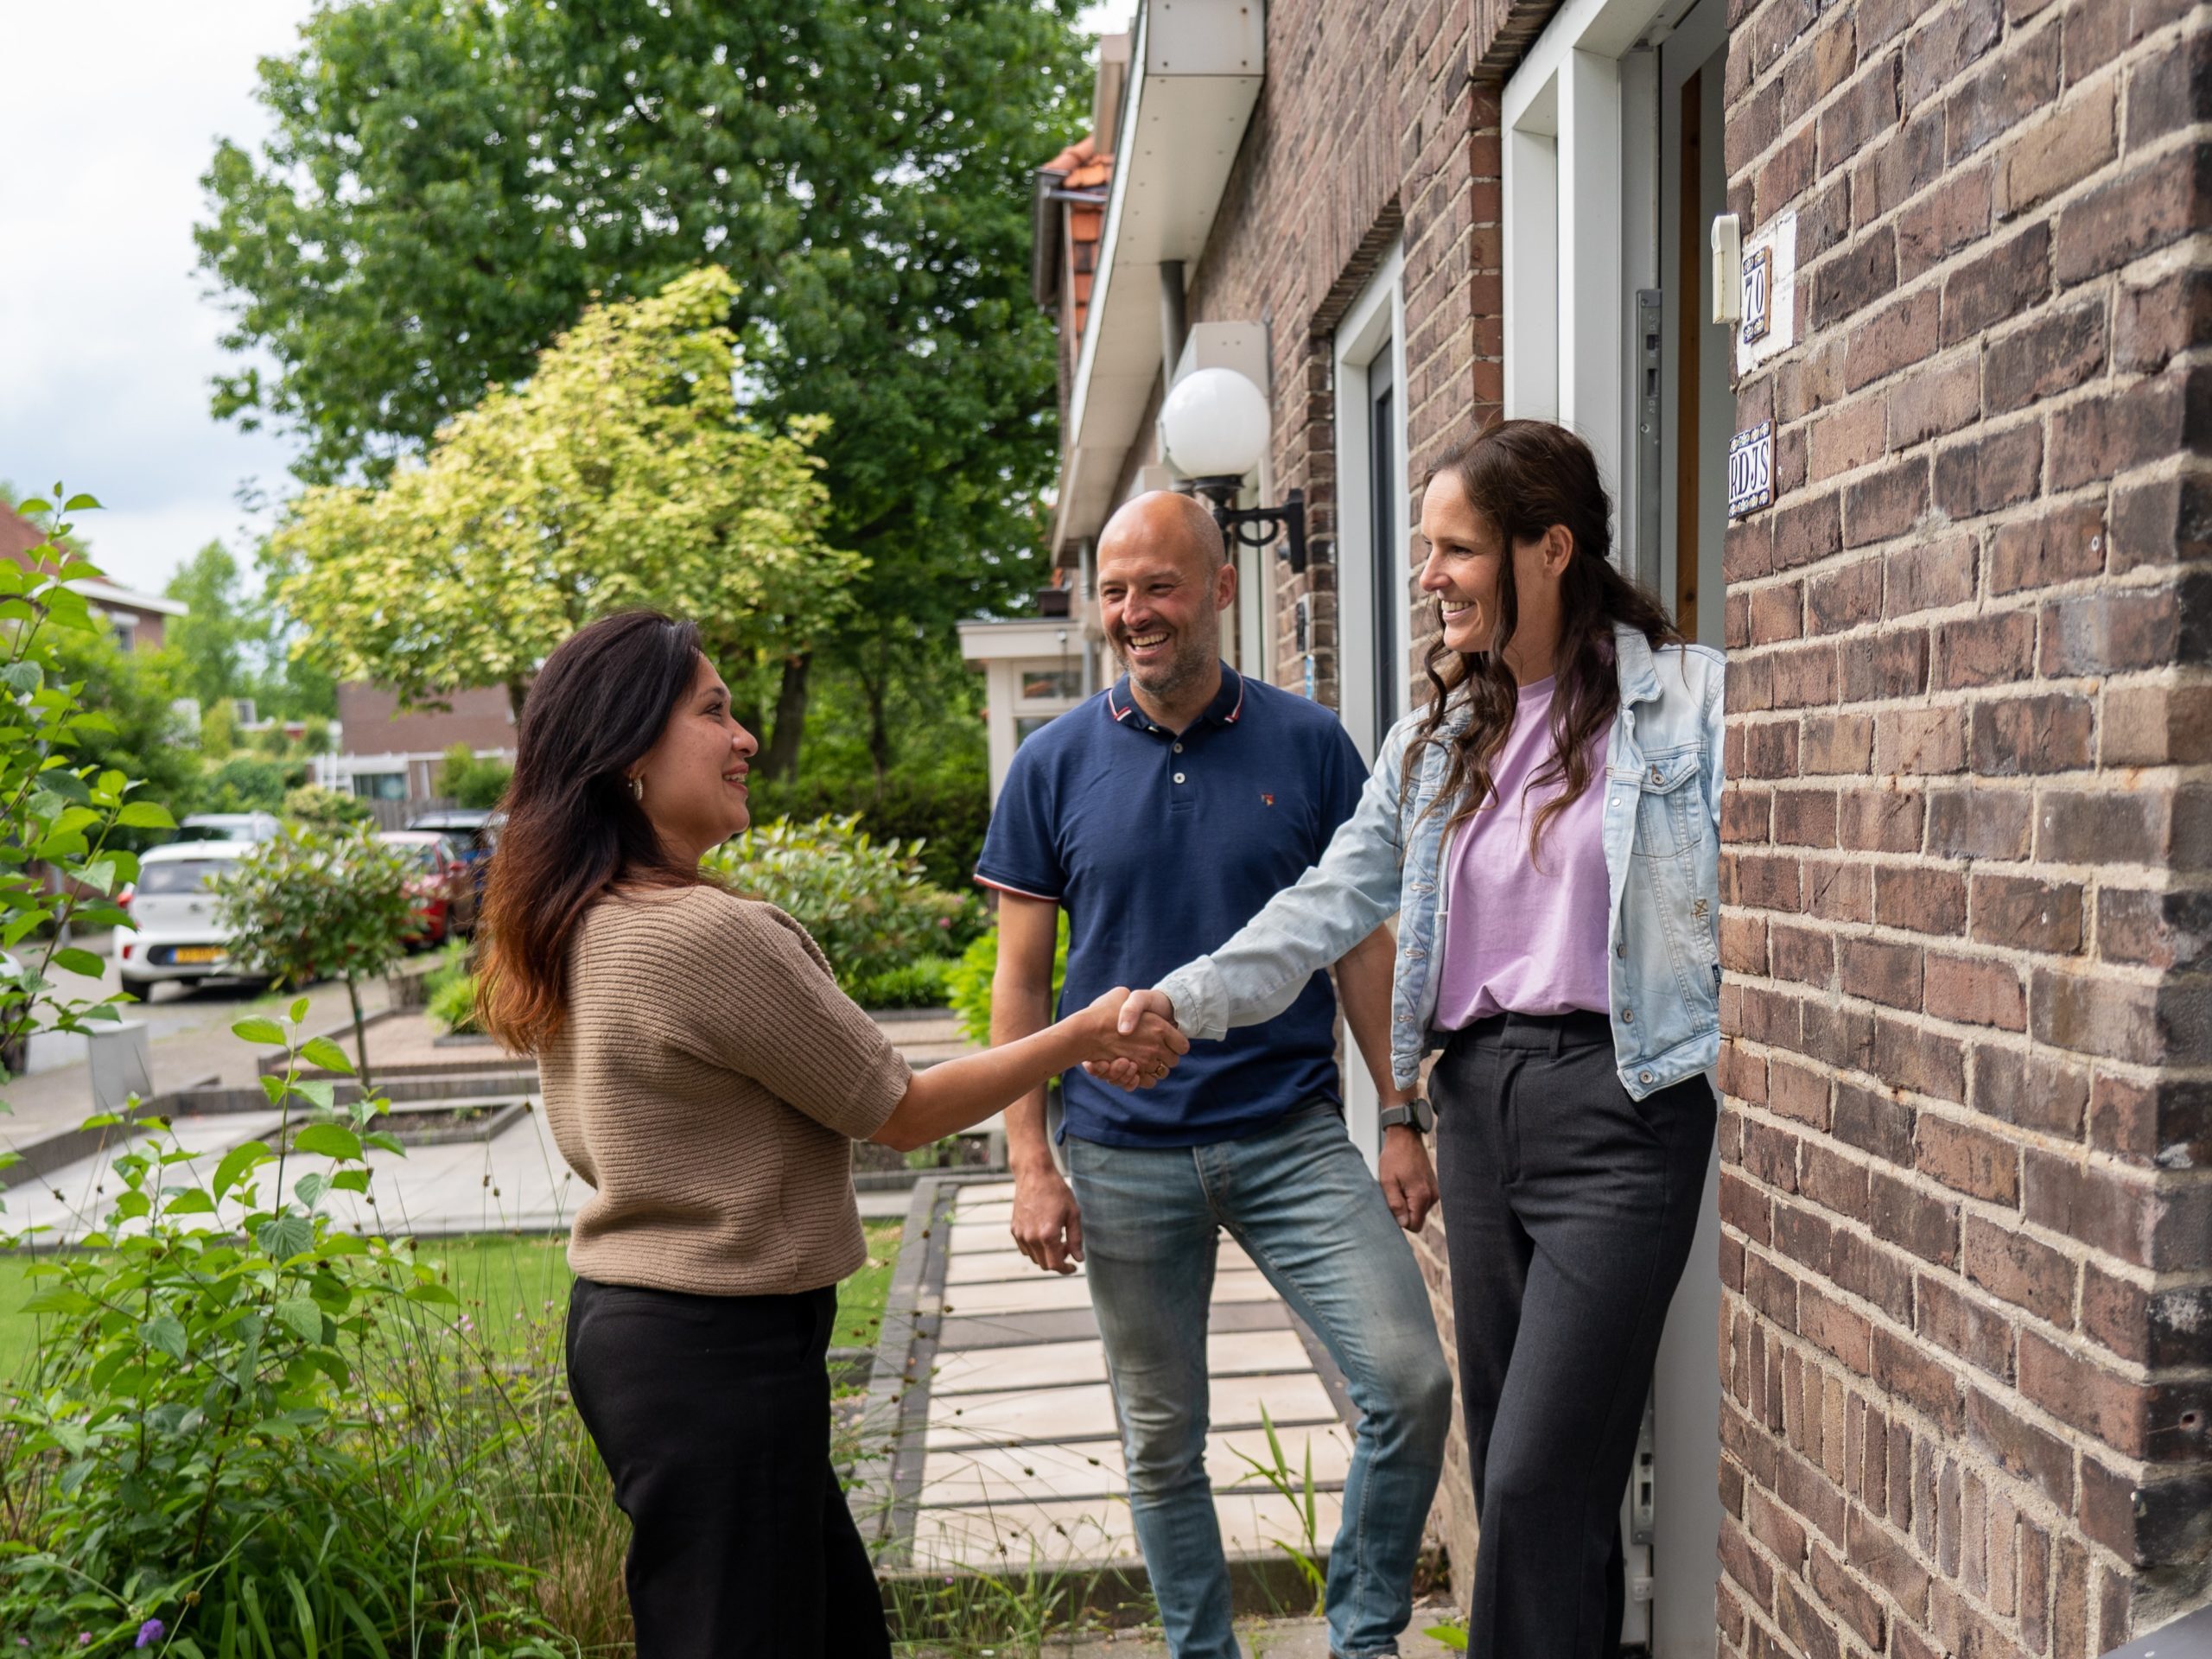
{"x": 137, "y": 987}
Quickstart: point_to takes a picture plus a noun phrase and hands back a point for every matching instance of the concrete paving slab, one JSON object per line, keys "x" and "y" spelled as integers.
{"x": 1086, "y": 1412}
{"x": 1262, "y": 1639}
{"x": 1054, "y": 1364}
{"x": 978, "y": 1267}
{"x": 1095, "y": 1469}
{"x": 1023, "y": 1534}
{"x": 1045, "y": 1291}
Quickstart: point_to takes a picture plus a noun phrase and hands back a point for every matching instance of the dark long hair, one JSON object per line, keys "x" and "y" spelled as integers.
{"x": 1524, "y": 477}
{"x": 573, "y": 829}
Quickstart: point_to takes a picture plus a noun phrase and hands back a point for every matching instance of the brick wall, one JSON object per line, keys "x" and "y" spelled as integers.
{"x": 1967, "y": 1337}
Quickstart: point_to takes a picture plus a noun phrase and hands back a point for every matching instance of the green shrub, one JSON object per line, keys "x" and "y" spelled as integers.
{"x": 867, "y": 902}
{"x": 453, "y": 1004}
{"x": 249, "y": 784}
{"x": 464, "y": 779}
{"x": 923, "y": 984}
{"x": 947, "y": 815}
{"x": 325, "y": 809}
{"x": 970, "y": 981}
{"x": 248, "y": 1427}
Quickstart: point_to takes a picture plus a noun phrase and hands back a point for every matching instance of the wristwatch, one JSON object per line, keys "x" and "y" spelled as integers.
{"x": 1416, "y": 1112}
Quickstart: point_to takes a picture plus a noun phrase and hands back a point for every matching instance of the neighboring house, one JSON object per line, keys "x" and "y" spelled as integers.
{"x": 1940, "y": 1384}
{"x": 139, "y": 619}
{"x": 391, "y": 754}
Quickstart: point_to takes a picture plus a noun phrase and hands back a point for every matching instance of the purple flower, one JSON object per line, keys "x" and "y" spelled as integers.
{"x": 149, "y": 1633}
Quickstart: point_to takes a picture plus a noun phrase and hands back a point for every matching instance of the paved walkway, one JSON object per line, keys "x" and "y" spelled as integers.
{"x": 1263, "y": 1638}
{"x": 999, "y": 1447}
{"x": 514, "y": 1180}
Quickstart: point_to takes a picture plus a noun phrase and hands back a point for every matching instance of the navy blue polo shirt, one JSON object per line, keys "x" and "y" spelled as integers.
{"x": 1159, "y": 846}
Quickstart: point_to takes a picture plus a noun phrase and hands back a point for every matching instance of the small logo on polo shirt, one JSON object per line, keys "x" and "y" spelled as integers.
{"x": 1267, "y": 800}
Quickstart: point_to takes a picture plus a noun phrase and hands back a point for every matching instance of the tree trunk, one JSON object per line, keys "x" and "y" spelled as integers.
{"x": 360, "y": 1034}
{"x": 875, "y": 687}
{"x": 781, "y": 758}
{"x": 516, "y": 690}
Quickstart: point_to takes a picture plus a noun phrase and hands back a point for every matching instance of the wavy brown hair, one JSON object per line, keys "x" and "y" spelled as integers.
{"x": 1524, "y": 477}
{"x": 573, "y": 829}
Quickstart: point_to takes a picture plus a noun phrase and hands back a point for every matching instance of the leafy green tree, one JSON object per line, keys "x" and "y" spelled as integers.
{"x": 212, "y": 641}
{"x": 314, "y": 904}
{"x": 246, "y": 784}
{"x": 447, "y": 186}
{"x": 619, "y": 474}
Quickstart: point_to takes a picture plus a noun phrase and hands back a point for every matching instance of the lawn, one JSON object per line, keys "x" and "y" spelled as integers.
{"x": 505, "y": 1283}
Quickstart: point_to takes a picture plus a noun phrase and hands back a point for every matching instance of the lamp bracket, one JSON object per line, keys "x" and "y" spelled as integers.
{"x": 1257, "y": 527}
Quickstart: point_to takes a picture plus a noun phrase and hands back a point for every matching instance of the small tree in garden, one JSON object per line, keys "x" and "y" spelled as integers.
{"x": 319, "y": 904}
{"x": 60, "y": 815}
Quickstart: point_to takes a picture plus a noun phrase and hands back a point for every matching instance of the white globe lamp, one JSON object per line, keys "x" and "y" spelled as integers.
{"x": 1214, "y": 424}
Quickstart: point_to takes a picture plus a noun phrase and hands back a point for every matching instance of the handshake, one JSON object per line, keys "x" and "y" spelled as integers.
{"x": 1133, "y": 1039}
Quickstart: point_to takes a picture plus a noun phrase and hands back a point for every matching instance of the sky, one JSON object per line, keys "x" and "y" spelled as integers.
{"x": 108, "y": 335}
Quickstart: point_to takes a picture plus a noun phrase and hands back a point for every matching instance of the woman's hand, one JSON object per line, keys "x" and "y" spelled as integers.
{"x": 1141, "y": 1045}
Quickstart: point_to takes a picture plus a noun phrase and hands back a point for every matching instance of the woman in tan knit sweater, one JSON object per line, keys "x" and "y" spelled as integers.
{"x": 707, "y": 1078}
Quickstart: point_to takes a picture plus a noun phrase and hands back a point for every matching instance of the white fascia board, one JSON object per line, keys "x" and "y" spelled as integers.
{"x": 1197, "y": 66}
{"x": 1024, "y": 637}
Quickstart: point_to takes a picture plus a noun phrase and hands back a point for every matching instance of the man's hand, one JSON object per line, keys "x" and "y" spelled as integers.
{"x": 1046, "y": 1225}
{"x": 1408, "y": 1183}
{"x": 1122, "y": 1073}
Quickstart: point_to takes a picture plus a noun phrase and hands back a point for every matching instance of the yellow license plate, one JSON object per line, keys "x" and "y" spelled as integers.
{"x": 191, "y": 953}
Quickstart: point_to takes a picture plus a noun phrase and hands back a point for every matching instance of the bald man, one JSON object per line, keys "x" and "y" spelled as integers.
{"x": 1161, "y": 815}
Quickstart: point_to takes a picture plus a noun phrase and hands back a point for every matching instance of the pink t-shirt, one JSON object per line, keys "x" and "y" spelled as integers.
{"x": 1517, "y": 937}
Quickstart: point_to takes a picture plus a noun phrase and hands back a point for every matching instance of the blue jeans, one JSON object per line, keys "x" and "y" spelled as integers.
{"x": 1301, "y": 1201}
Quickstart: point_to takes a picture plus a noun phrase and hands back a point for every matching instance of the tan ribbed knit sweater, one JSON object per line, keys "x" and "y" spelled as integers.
{"x": 709, "y": 1081}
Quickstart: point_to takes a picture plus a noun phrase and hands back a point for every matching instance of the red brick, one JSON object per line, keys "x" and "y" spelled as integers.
{"x": 1991, "y": 470}
{"x": 2063, "y": 546}
{"x": 2047, "y": 157}
{"x": 1969, "y": 1159}
{"x": 1885, "y": 503}
{"x": 1997, "y": 648}
{"x": 1963, "y": 1324}
{"x": 1882, "y": 972}
{"x": 1913, "y": 1220}
{"x": 1880, "y": 820}
{"x": 2126, "y": 216}
{"x": 1976, "y": 990}
{"x": 2020, "y": 1269}
{"x": 1950, "y": 217}
{"x": 1934, "y": 400}
{"x": 1977, "y": 822}
{"x": 2019, "y": 1447}
{"x": 1997, "y": 286}
{"x": 1844, "y": 598}
{"x": 2033, "y": 1090}
{"x": 2021, "y": 735}
{"x": 2051, "y": 354}
{"x": 2026, "y": 914}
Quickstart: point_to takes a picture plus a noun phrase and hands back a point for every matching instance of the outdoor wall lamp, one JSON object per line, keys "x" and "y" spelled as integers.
{"x": 1214, "y": 426}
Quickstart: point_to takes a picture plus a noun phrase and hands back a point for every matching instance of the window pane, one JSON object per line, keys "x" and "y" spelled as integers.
{"x": 1050, "y": 684}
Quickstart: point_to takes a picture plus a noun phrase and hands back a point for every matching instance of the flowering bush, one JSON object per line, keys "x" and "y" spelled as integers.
{"x": 868, "y": 903}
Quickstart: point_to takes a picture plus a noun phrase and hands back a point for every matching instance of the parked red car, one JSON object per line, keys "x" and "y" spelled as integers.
{"x": 444, "y": 894}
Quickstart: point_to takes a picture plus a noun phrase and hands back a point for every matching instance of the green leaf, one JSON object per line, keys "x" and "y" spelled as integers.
{"x": 311, "y": 1187}
{"x": 193, "y": 1201}
{"x": 383, "y": 1140}
{"x": 237, "y": 1161}
{"x": 145, "y": 815}
{"x": 333, "y": 1139}
{"x": 300, "y": 1315}
{"x": 165, "y": 1334}
{"x": 285, "y": 1237}
{"x": 79, "y": 962}
{"x": 259, "y": 1030}
{"x": 318, "y": 1091}
{"x": 432, "y": 1292}
{"x": 298, "y": 1010}
{"x": 321, "y": 1051}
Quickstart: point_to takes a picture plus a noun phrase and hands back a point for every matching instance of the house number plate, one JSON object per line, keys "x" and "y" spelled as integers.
{"x": 1751, "y": 470}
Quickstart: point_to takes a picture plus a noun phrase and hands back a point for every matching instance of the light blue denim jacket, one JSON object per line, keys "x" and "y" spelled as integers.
{"x": 1662, "y": 866}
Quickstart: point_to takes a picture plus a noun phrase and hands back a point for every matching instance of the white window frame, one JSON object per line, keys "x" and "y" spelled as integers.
{"x": 1376, "y": 316}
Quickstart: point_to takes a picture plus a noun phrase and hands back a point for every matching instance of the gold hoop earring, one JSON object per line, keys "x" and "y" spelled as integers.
{"x": 637, "y": 788}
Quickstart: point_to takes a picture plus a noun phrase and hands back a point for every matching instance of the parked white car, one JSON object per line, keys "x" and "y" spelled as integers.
{"x": 173, "y": 932}
{"x": 227, "y": 826}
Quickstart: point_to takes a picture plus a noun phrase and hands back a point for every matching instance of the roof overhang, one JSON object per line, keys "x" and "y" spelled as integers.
{"x": 1023, "y": 637}
{"x": 1197, "y": 65}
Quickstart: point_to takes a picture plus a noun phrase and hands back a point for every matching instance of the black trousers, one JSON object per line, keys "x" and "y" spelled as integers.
{"x": 712, "y": 1414}
{"x": 1568, "y": 1209}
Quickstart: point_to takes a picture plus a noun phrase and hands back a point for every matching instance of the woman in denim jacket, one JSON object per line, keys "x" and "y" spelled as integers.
{"x": 1547, "y": 830}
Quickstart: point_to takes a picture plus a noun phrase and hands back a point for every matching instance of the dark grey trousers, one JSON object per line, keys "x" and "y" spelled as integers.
{"x": 1568, "y": 1209}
